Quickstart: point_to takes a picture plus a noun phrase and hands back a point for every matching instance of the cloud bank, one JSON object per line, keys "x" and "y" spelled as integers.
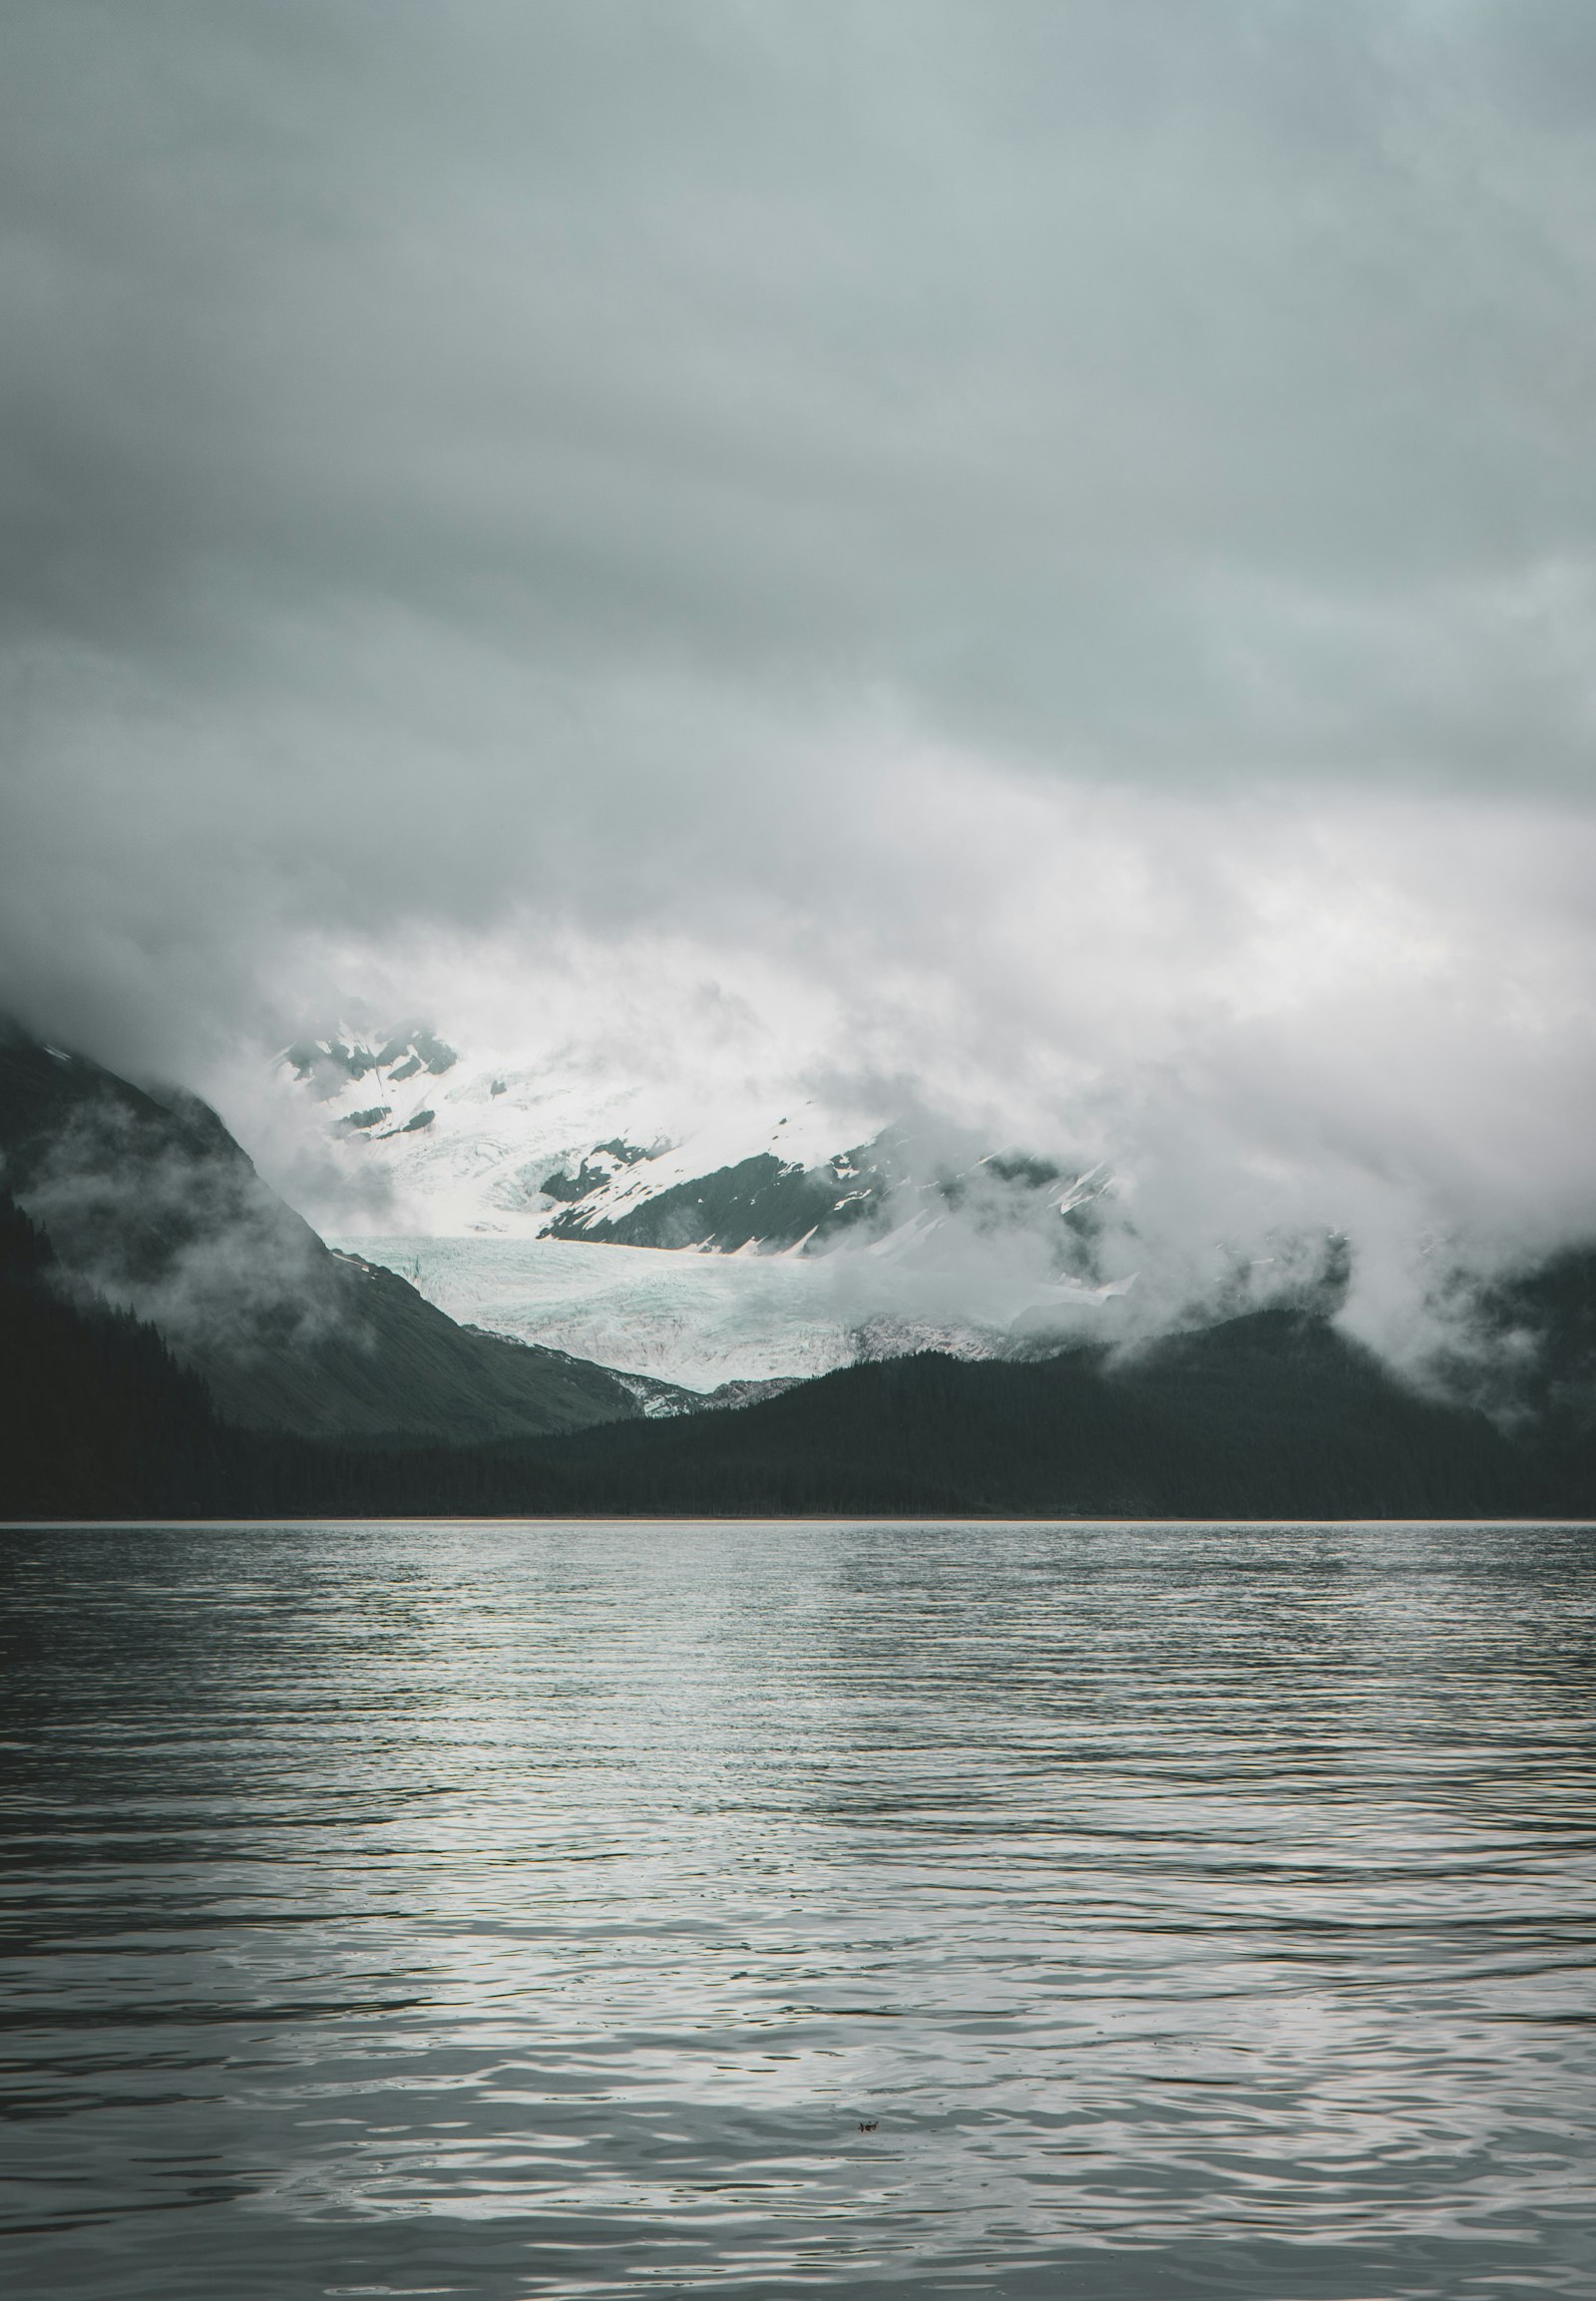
{"x": 1038, "y": 560}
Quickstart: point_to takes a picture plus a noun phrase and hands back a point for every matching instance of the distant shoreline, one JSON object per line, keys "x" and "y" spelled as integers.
{"x": 885, "y": 1518}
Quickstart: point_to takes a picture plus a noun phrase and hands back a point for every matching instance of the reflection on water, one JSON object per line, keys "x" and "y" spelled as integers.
{"x": 503, "y": 1911}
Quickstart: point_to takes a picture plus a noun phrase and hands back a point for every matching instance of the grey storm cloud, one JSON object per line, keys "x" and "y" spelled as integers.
{"x": 1014, "y": 507}
{"x": 1147, "y": 389}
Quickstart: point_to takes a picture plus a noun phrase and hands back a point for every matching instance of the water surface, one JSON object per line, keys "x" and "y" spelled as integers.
{"x": 1105, "y": 1912}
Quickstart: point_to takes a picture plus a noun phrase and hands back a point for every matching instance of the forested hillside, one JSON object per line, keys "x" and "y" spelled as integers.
{"x": 1272, "y": 1416}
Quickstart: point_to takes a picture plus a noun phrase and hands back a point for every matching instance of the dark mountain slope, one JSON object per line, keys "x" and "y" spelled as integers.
{"x": 152, "y": 1207}
{"x": 1537, "y": 1332}
{"x": 1271, "y": 1415}
{"x": 93, "y": 1405}
{"x": 394, "y": 1365}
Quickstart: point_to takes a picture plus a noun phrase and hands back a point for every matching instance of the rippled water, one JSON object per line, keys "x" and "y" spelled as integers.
{"x": 751, "y": 1910}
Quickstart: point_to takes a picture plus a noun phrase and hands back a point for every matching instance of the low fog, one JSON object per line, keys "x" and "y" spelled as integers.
{"x": 1030, "y": 569}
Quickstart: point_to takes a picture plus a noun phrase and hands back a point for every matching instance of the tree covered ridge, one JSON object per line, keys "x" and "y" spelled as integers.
{"x": 1274, "y": 1414}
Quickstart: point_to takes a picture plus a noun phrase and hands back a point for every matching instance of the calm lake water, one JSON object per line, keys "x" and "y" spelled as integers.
{"x": 1114, "y": 1913}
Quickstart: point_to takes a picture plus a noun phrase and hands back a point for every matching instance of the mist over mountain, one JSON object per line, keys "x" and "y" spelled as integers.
{"x": 1269, "y": 1414}
{"x": 461, "y": 1166}
{"x": 150, "y": 1208}
{"x": 1022, "y": 581}
{"x": 175, "y": 1340}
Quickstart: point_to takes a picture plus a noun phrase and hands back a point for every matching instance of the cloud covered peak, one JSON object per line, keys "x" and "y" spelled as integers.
{"x": 1040, "y": 560}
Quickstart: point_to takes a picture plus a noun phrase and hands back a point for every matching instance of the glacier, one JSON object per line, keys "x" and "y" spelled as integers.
{"x": 492, "y": 1171}
{"x": 699, "y": 1319}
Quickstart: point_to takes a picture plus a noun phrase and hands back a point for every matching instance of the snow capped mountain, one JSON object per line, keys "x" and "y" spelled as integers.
{"x": 551, "y": 1204}
{"x": 477, "y": 1145}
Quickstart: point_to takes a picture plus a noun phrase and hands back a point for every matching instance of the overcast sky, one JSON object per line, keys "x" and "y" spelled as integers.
{"x": 1049, "y": 549}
